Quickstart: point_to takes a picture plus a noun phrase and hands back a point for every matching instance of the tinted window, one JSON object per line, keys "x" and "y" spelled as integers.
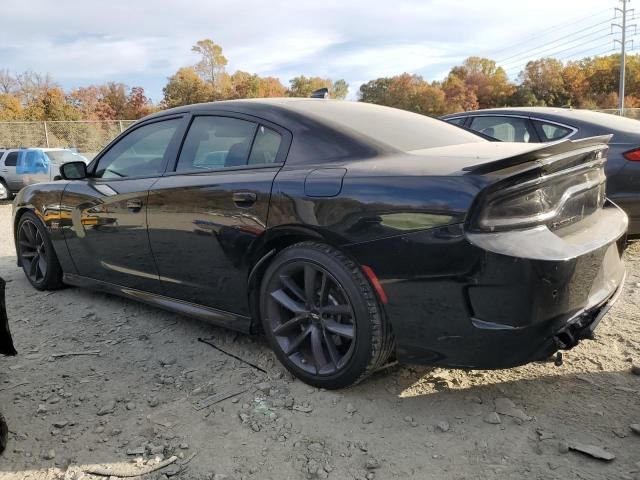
{"x": 216, "y": 142}
{"x": 456, "y": 121}
{"x": 140, "y": 153}
{"x": 265, "y": 147}
{"x": 11, "y": 160}
{"x": 549, "y": 131}
{"x": 505, "y": 129}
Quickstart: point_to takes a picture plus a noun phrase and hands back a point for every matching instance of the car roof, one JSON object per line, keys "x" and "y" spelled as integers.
{"x": 338, "y": 129}
{"x": 570, "y": 116}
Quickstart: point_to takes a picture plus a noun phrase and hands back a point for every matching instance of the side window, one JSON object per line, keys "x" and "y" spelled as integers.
{"x": 265, "y": 146}
{"x": 505, "y": 129}
{"x": 32, "y": 161}
{"x": 11, "y": 160}
{"x": 140, "y": 153}
{"x": 216, "y": 142}
{"x": 549, "y": 131}
{"x": 456, "y": 121}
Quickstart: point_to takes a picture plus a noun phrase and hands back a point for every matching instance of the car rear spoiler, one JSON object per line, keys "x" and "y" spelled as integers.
{"x": 548, "y": 155}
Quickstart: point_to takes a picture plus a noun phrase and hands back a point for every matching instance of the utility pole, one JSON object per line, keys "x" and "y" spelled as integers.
{"x": 623, "y": 45}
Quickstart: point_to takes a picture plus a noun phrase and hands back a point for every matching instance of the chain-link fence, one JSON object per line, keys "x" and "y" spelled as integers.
{"x": 628, "y": 112}
{"x": 89, "y": 137}
{"x": 86, "y": 137}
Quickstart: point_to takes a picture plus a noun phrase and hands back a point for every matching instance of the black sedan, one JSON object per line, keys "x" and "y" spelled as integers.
{"x": 346, "y": 232}
{"x": 547, "y": 124}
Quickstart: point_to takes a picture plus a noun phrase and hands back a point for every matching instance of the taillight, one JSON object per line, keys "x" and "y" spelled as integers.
{"x": 544, "y": 200}
{"x": 632, "y": 155}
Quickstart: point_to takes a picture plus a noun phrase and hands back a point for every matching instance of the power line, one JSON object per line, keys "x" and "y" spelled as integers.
{"x": 556, "y": 54}
{"x": 549, "y": 29}
{"x": 575, "y": 54}
{"x": 553, "y": 41}
{"x": 552, "y": 48}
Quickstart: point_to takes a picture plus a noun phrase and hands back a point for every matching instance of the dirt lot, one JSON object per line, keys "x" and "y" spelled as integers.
{"x": 136, "y": 401}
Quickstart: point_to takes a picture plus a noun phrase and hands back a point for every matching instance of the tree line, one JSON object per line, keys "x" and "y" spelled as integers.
{"x": 590, "y": 83}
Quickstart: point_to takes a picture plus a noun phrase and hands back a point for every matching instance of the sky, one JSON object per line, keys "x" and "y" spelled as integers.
{"x": 142, "y": 42}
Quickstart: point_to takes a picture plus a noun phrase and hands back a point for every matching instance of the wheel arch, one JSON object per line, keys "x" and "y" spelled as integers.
{"x": 16, "y": 220}
{"x": 273, "y": 242}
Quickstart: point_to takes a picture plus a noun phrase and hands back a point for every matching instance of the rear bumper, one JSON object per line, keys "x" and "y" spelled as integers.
{"x": 504, "y": 348}
{"x": 460, "y": 301}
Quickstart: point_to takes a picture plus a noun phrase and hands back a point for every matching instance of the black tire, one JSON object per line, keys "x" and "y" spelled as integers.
{"x": 7, "y": 195}
{"x": 342, "y": 336}
{"x": 37, "y": 256}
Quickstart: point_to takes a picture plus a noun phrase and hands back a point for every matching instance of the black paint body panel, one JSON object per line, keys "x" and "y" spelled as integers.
{"x": 185, "y": 242}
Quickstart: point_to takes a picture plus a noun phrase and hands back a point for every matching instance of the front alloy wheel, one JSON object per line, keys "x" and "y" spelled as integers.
{"x": 37, "y": 256}
{"x": 33, "y": 252}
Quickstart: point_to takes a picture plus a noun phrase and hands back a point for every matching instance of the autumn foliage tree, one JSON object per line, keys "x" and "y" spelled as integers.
{"x": 302, "y": 86}
{"x": 477, "y": 82}
{"x": 186, "y": 87}
{"x": 211, "y": 66}
{"x": 406, "y": 91}
{"x": 544, "y": 79}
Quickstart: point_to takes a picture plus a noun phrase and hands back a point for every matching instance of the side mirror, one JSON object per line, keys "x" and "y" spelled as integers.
{"x": 73, "y": 170}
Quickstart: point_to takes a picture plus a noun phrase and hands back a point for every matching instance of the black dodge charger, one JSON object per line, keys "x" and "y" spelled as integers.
{"x": 346, "y": 232}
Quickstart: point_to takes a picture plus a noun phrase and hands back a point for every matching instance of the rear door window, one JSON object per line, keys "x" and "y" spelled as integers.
{"x": 216, "y": 142}
{"x": 505, "y": 129}
{"x": 11, "y": 160}
{"x": 265, "y": 147}
{"x": 550, "y": 132}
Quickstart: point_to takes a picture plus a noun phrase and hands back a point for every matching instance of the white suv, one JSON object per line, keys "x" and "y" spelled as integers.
{"x": 25, "y": 166}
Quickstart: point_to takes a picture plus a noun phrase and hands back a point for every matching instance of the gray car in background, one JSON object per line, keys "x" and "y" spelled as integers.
{"x": 20, "y": 167}
{"x": 548, "y": 124}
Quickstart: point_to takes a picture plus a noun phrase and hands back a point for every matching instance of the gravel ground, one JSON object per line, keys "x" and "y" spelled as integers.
{"x": 142, "y": 397}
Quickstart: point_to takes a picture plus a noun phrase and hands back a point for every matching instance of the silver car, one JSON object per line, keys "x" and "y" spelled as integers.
{"x": 25, "y": 166}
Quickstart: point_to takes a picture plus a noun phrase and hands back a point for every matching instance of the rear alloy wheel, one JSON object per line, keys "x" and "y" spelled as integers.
{"x": 36, "y": 253}
{"x": 321, "y": 316}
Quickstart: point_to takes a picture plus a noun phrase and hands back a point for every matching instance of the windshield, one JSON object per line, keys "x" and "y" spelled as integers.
{"x": 63, "y": 156}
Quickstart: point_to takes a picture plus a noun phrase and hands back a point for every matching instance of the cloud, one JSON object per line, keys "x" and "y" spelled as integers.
{"x": 142, "y": 42}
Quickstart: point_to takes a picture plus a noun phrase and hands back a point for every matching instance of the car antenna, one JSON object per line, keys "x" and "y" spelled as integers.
{"x": 320, "y": 93}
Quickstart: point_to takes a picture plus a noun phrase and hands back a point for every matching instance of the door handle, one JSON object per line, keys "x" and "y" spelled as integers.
{"x": 244, "y": 199}
{"x": 134, "y": 205}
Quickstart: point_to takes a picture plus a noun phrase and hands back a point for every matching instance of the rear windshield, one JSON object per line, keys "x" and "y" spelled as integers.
{"x": 64, "y": 156}
{"x": 399, "y": 129}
